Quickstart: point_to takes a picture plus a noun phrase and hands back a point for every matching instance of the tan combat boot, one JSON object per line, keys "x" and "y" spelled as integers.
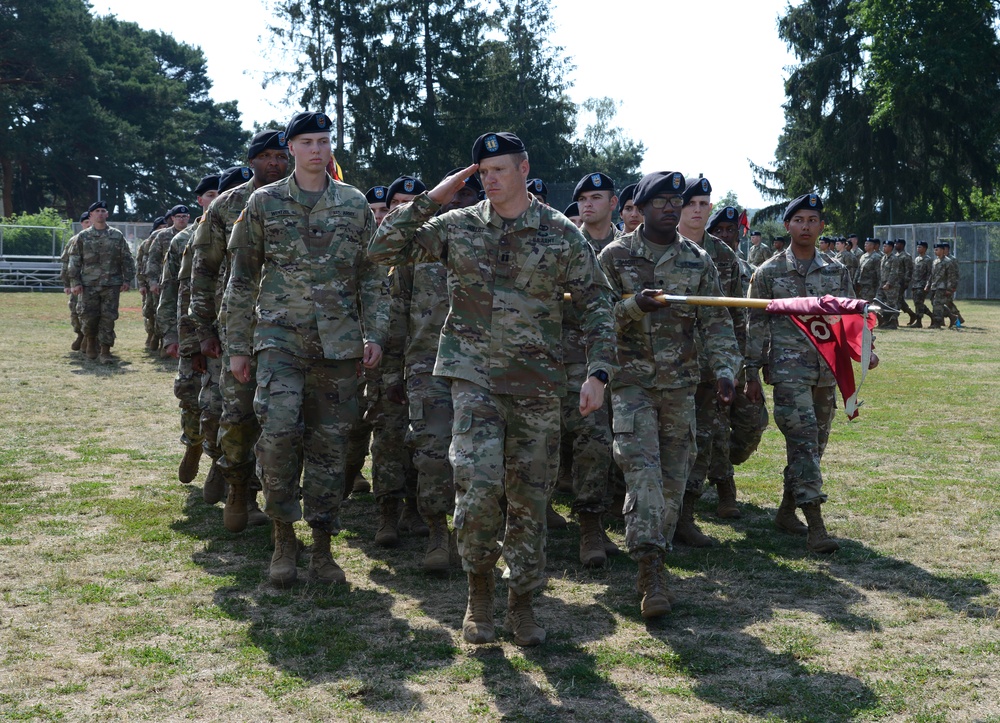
{"x": 553, "y": 520}
{"x": 437, "y": 557}
{"x": 387, "y": 534}
{"x": 78, "y": 342}
{"x": 282, "y": 572}
{"x": 652, "y": 585}
{"x": 592, "y": 553}
{"x": 687, "y": 531}
{"x": 410, "y": 519}
{"x": 149, "y": 340}
{"x": 610, "y": 548}
{"x": 91, "y": 347}
{"x": 477, "y": 627}
{"x": 255, "y": 515}
{"x": 236, "y": 513}
{"x": 521, "y": 620}
{"x": 786, "y": 519}
{"x": 215, "y": 485}
{"x": 818, "y": 540}
{"x": 105, "y": 355}
{"x": 322, "y": 567}
{"x": 188, "y": 468}
{"x": 727, "y": 508}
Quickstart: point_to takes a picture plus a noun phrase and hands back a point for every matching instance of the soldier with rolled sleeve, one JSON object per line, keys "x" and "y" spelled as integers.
{"x": 304, "y": 299}
{"x": 510, "y": 260}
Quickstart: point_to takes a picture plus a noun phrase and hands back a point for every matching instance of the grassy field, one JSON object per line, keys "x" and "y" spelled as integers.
{"x": 122, "y": 597}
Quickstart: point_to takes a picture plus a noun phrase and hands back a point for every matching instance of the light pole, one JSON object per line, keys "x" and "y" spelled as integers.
{"x": 98, "y": 179}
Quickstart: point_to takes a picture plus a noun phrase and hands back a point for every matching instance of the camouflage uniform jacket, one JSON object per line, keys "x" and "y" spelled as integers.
{"x": 850, "y": 262}
{"x": 418, "y": 310}
{"x": 758, "y": 254}
{"x": 907, "y": 263}
{"x": 659, "y": 350}
{"x": 891, "y": 271}
{"x": 210, "y": 262}
{"x": 574, "y": 346}
{"x": 100, "y": 258}
{"x": 921, "y": 271}
{"x": 64, "y": 260}
{"x": 774, "y": 339}
{"x": 166, "y": 312}
{"x": 506, "y": 284}
{"x": 300, "y": 281}
{"x": 187, "y": 335}
{"x": 140, "y": 262}
{"x": 944, "y": 274}
{"x": 727, "y": 264}
{"x": 156, "y": 254}
{"x": 868, "y": 278}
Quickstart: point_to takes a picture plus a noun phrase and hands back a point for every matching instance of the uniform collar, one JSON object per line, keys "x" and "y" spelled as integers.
{"x": 531, "y": 218}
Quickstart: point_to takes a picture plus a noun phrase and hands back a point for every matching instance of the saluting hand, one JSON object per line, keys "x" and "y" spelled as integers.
{"x": 442, "y": 193}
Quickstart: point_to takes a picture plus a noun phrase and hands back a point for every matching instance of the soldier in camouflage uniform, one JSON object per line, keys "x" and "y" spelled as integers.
{"x": 156, "y": 255}
{"x": 906, "y": 262}
{"x": 654, "y": 395}
{"x": 868, "y": 281}
{"x": 712, "y": 415}
{"x": 304, "y": 299}
{"x": 918, "y": 285}
{"x": 74, "y": 317}
{"x": 100, "y": 268}
{"x": 847, "y": 258}
{"x": 149, "y": 300}
{"x": 804, "y": 387}
{"x": 510, "y": 260}
{"x": 943, "y": 283}
{"x": 891, "y": 278}
{"x": 631, "y": 218}
{"x": 759, "y": 251}
{"x": 210, "y": 267}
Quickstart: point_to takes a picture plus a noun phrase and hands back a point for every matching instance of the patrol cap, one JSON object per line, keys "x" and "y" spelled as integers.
{"x": 307, "y": 122}
{"x": 696, "y": 187}
{"x": 537, "y": 186}
{"x": 572, "y": 210}
{"x": 84, "y": 216}
{"x": 490, "y": 145}
{"x": 207, "y": 183}
{"x": 404, "y": 184}
{"x": 98, "y": 204}
{"x": 594, "y": 182}
{"x": 233, "y": 177}
{"x": 269, "y": 139}
{"x": 727, "y": 214}
{"x": 942, "y": 245}
{"x": 922, "y": 243}
{"x": 376, "y": 194}
{"x": 808, "y": 201}
{"x": 159, "y": 221}
{"x": 178, "y": 209}
{"x": 626, "y": 195}
{"x": 473, "y": 182}
{"x": 653, "y": 184}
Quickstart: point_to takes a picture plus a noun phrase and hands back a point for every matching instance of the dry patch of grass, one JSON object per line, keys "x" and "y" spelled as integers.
{"x": 123, "y": 597}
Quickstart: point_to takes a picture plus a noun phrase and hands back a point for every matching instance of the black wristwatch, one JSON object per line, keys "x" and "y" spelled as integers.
{"x": 601, "y": 375}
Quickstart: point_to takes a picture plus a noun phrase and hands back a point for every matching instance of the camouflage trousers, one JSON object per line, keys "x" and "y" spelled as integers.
{"x": 804, "y": 414}
{"x": 187, "y": 386}
{"x": 901, "y": 301}
{"x": 97, "y": 308}
{"x": 944, "y": 305}
{"x": 238, "y": 426}
{"x": 748, "y": 421}
{"x": 590, "y": 441}
{"x": 149, "y": 303}
{"x": 655, "y": 447}
{"x": 503, "y": 444}
{"x": 428, "y": 436}
{"x": 210, "y": 407}
{"x": 306, "y": 408}
{"x": 359, "y": 440}
{"x": 74, "y": 316}
{"x": 393, "y": 473}
{"x": 712, "y": 437}
{"x": 919, "y": 302}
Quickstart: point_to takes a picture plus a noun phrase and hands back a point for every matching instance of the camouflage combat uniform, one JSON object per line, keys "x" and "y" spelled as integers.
{"x": 921, "y": 276}
{"x": 748, "y": 419}
{"x": 804, "y": 387}
{"x": 891, "y": 276}
{"x": 156, "y": 253}
{"x": 869, "y": 273}
{"x": 149, "y": 301}
{"x": 74, "y": 317}
{"x": 101, "y": 263}
{"x": 303, "y": 297}
{"x": 943, "y": 284}
{"x": 850, "y": 261}
{"x": 500, "y": 345}
{"x": 653, "y": 396}
{"x": 758, "y": 254}
{"x": 906, "y": 263}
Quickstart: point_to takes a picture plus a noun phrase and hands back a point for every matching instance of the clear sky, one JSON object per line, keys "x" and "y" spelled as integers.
{"x": 701, "y": 83}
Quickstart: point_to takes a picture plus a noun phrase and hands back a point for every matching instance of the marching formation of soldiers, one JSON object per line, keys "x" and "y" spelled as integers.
{"x": 483, "y": 347}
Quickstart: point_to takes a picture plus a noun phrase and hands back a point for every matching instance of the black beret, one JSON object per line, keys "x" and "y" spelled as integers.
{"x": 98, "y": 204}
{"x": 572, "y": 210}
{"x": 728, "y": 214}
{"x": 490, "y": 145}
{"x": 266, "y": 140}
{"x": 900, "y": 241}
{"x": 537, "y": 186}
{"x": 376, "y": 194}
{"x": 942, "y": 245}
{"x": 470, "y": 182}
{"x": 696, "y": 187}
{"x": 594, "y": 182}
{"x": 922, "y": 243}
{"x": 809, "y": 201}
{"x": 653, "y": 184}
{"x": 159, "y": 221}
{"x": 404, "y": 184}
{"x": 207, "y": 183}
{"x": 888, "y": 242}
{"x": 84, "y": 216}
{"x": 755, "y": 233}
{"x": 852, "y": 235}
{"x": 178, "y": 209}
{"x": 308, "y": 122}
{"x": 871, "y": 240}
{"x": 626, "y": 195}
{"x": 233, "y": 177}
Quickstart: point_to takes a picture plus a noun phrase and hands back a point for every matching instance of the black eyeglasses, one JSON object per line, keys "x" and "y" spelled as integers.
{"x": 660, "y": 201}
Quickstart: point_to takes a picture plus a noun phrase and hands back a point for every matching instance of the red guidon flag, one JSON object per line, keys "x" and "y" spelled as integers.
{"x": 743, "y": 224}
{"x": 841, "y": 331}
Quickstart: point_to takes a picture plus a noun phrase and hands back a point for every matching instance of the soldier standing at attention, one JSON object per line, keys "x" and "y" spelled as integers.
{"x": 510, "y": 259}
{"x": 572, "y": 212}
{"x": 304, "y": 299}
{"x": 846, "y": 257}
{"x": 538, "y": 190}
{"x": 74, "y": 317}
{"x": 156, "y": 254}
{"x": 918, "y": 285}
{"x": 869, "y": 270}
{"x": 100, "y": 269}
{"x": 631, "y": 218}
{"x": 210, "y": 268}
{"x": 804, "y": 387}
{"x": 148, "y": 301}
{"x": 759, "y": 251}
{"x": 653, "y": 398}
